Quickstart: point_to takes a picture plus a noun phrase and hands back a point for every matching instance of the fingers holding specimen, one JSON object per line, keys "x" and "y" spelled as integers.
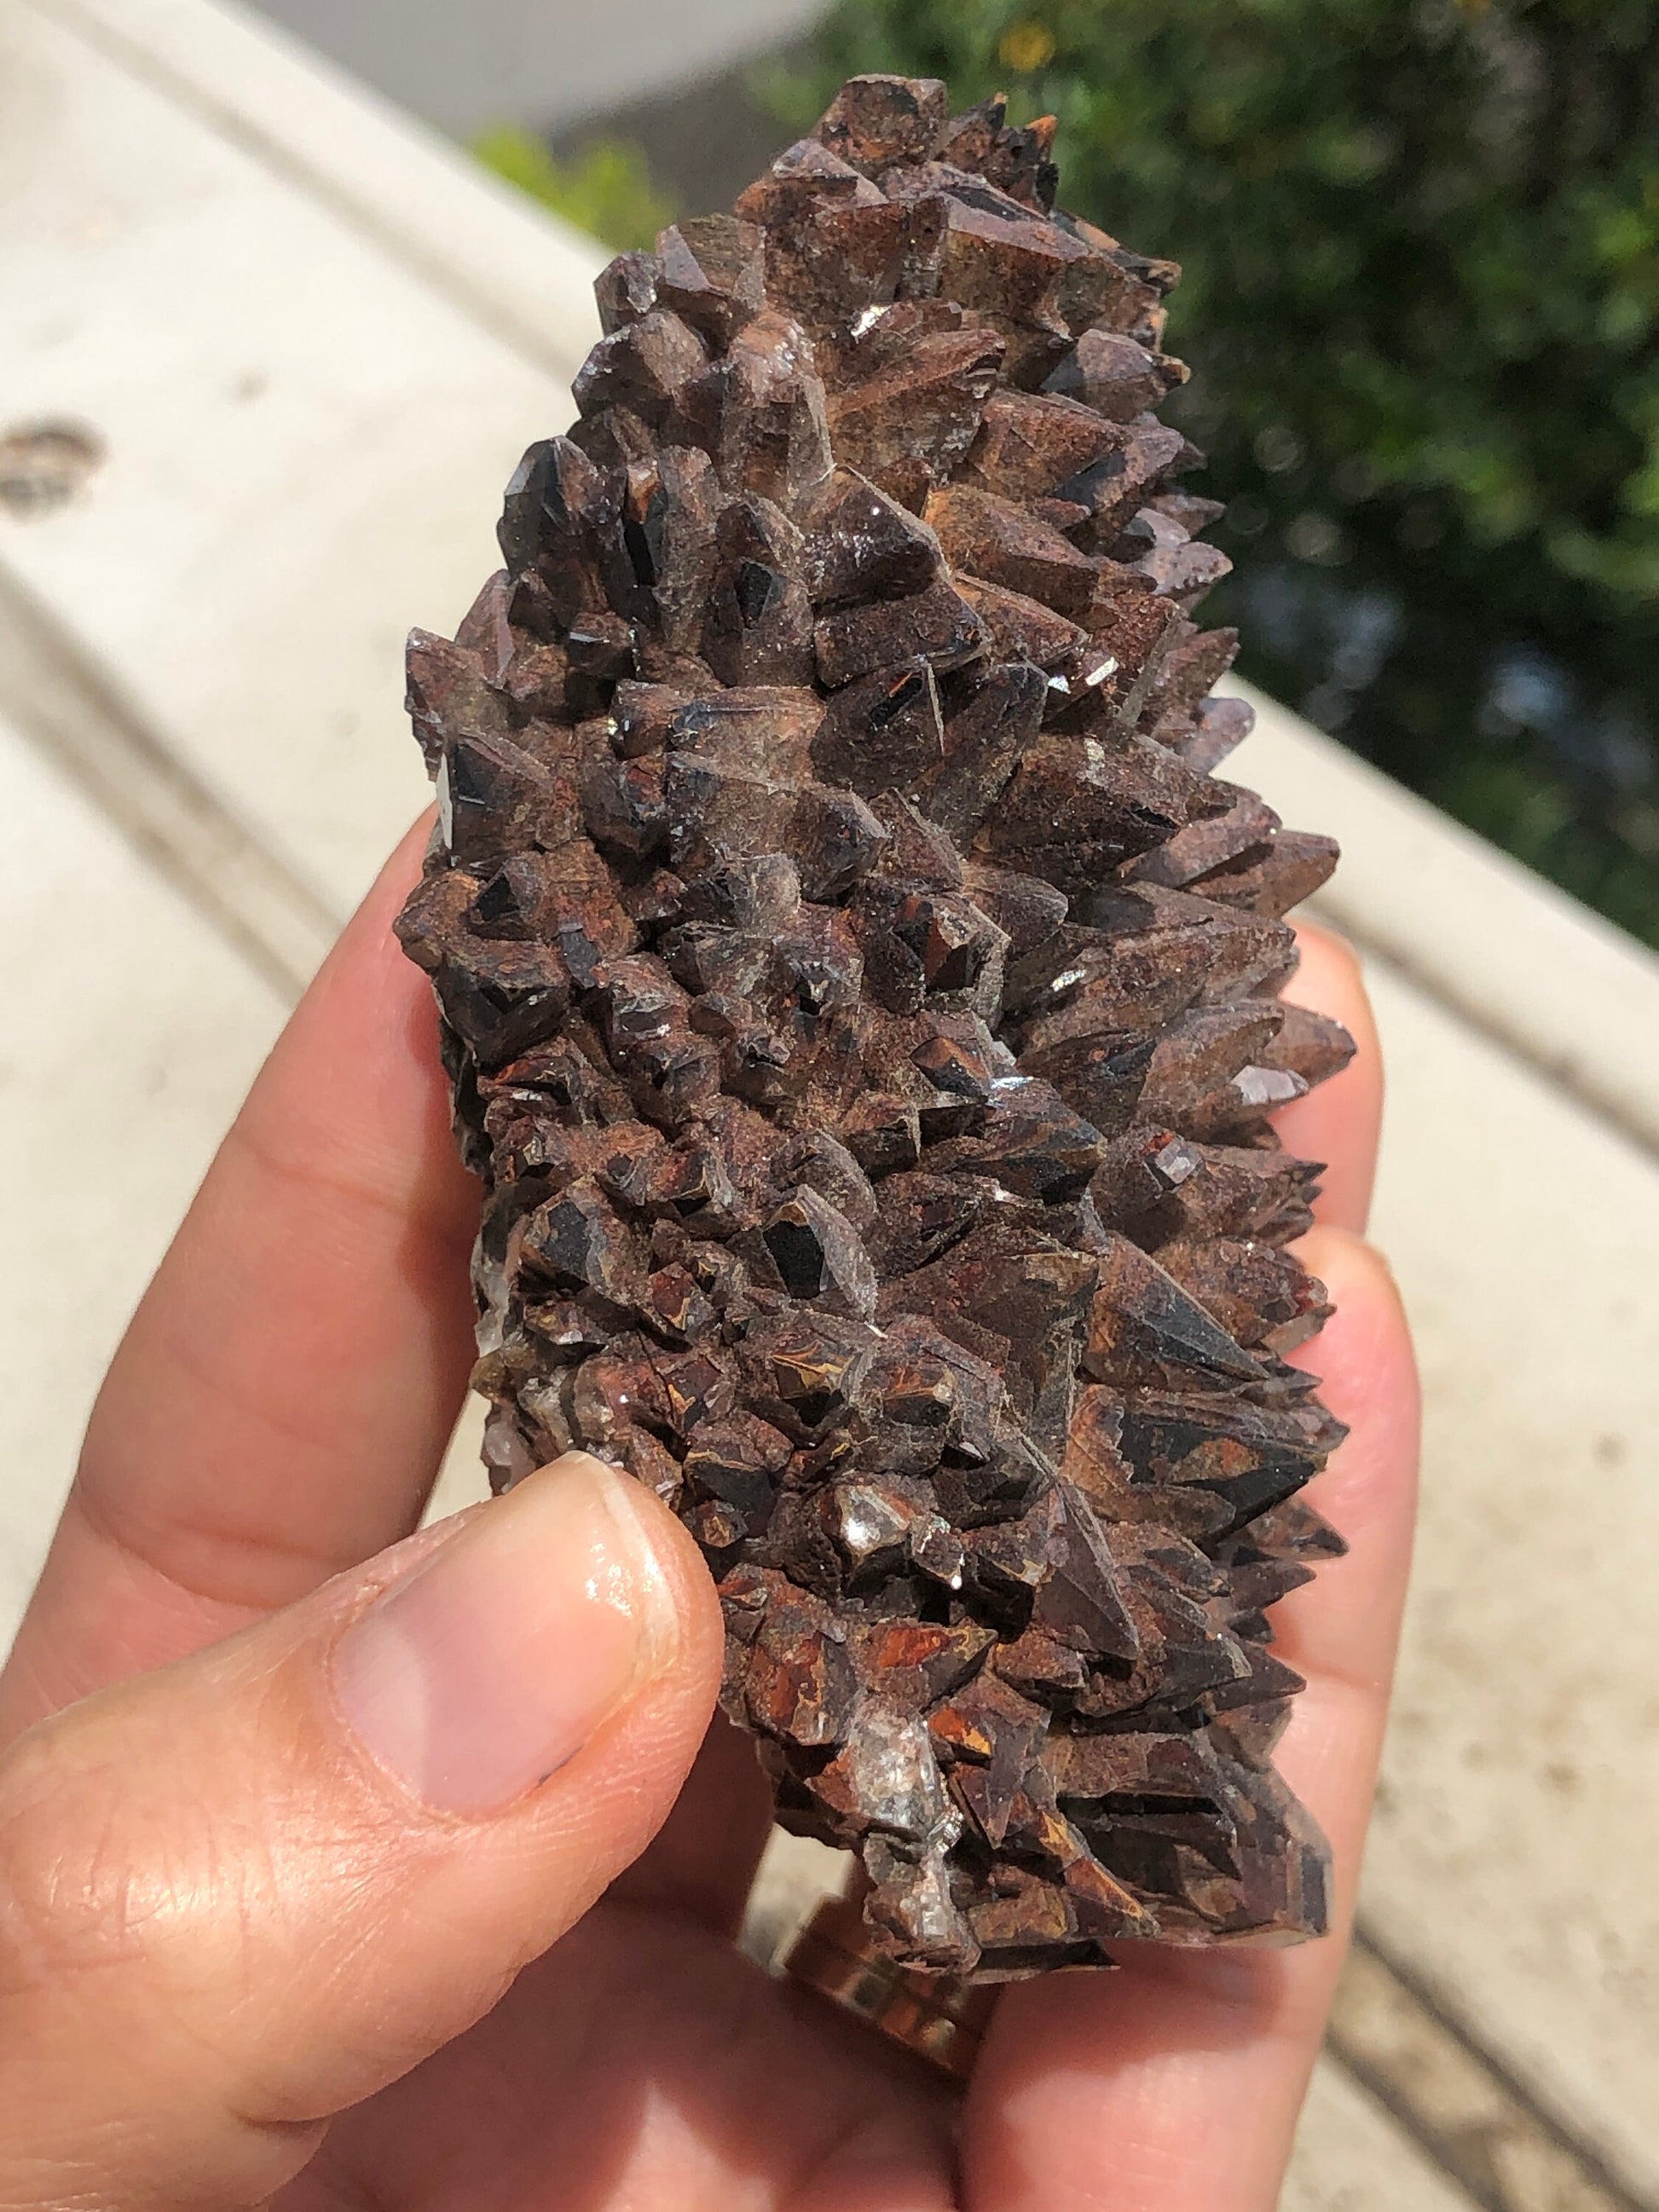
{"x": 330, "y": 1241}
{"x": 1191, "y": 2065}
{"x": 266, "y": 1881}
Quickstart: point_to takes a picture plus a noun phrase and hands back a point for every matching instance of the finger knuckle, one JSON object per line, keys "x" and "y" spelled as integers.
{"x": 77, "y": 1898}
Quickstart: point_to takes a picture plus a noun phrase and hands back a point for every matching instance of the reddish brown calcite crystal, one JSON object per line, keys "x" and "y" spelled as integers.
{"x": 859, "y": 992}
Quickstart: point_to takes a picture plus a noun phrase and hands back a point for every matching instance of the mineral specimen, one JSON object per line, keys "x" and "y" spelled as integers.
{"x": 859, "y": 995}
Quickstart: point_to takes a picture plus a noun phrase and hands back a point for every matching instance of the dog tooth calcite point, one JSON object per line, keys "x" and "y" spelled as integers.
{"x": 858, "y": 989}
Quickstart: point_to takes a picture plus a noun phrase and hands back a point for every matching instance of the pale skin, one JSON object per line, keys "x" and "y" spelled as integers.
{"x": 243, "y": 1963}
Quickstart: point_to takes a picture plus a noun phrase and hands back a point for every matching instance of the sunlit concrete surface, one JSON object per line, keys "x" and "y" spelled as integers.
{"x": 301, "y": 343}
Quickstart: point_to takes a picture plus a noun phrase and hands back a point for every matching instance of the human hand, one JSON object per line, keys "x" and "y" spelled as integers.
{"x": 334, "y": 1874}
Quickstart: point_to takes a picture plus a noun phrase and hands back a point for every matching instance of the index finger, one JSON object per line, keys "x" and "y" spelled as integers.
{"x": 278, "y": 1407}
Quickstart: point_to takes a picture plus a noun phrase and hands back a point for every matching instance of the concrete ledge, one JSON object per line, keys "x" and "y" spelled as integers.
{"x": 522, "y": 273}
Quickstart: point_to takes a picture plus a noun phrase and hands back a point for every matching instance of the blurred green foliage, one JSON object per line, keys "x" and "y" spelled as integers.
{"x": 605, "y": 188}
{"x": 1421, "y": 246}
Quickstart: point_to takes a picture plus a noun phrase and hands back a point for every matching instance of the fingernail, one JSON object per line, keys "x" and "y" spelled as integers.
{"x": 493, "y": 1664}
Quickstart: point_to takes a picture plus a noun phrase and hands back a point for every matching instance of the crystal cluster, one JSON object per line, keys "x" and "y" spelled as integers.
{"x": 859, "y": 991}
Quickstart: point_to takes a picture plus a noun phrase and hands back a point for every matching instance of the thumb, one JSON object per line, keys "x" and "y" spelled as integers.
{"x": 244, "y": 1892}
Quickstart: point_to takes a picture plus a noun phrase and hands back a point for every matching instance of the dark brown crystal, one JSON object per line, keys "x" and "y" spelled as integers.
{"x": 860, "y": 996}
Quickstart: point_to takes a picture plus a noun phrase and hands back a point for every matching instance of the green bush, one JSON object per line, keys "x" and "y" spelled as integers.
{"x": 605, "y": 189}
{"x": 1421, "y": 246}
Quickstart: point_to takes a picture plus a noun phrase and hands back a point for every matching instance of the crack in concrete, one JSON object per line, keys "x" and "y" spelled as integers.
{"x": 1462, "y": 2107}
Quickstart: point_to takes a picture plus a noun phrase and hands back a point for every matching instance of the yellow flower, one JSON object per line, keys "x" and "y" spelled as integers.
{"x": 1026, "y": 46}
